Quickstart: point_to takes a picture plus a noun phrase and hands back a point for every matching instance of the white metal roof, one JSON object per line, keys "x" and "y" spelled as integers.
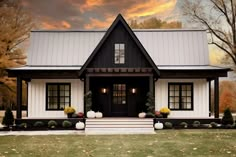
{"x": 71, "y": 48}
{"x": 178, "y": 67}
{"x": 191, "y": 67}
{"x": 47, "y": 68}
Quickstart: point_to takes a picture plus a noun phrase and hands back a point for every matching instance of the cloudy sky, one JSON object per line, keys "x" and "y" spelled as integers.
{"x": 91, "y": 14}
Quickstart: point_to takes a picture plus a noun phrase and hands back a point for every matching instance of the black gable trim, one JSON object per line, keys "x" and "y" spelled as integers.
{"x": 118, "y": 19}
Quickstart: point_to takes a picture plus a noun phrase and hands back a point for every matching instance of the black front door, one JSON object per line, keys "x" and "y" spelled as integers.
{"x": 119, "y": 106}
{"x": 113, "y": 96}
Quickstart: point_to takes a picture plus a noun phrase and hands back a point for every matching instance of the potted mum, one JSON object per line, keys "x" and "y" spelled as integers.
{"x": 165, "y": 111}
{"x": 69, "y": 111}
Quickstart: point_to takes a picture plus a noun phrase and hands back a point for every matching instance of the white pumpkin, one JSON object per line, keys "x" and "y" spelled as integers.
{"x": 98, "y": 115}
{"x": 142, "y": 115}
{"x": 91, "y": 114}
{"x": 158, "y": 126}
{"x": 79, "y": 125}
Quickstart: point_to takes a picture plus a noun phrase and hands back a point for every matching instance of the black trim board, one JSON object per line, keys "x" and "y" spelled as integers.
{"x": 118, "y": 19}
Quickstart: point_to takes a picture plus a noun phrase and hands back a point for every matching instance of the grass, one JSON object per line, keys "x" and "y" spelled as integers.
{"x": 178, "y": 143}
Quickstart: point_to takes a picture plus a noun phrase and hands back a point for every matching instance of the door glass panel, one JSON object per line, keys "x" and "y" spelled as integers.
{"x": 119, "y": 94}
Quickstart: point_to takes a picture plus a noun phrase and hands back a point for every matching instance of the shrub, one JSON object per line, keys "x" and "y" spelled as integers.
{"x": 229, "y": 126}
{"x": 52, "y": 124}
{"x": 8, "y": 118}
{"x": 213, "y": 124}
{"x": 227, "y": 118}
{"x": 38, "y": 124}
{"x": 66, "y": 124}
{"x": 196, "y": 124}
{"x": 150, "y": 104}
{"x": 23, "y": 125}
{"x": 168, "y": 125}
{"x": 183, "y": 124}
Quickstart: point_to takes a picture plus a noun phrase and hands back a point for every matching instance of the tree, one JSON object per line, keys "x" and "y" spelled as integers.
{"x": 153, "y": 23}
{"x": 227, "y": 118}
{"x": 8, "y": 118}
{"x": 218, "y": 17}
{"x": 227, "y": 95}
{"x": 150, "y": 104}
{"x": 15, "y": 25}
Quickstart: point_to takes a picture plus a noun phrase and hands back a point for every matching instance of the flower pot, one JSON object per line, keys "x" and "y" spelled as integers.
{"x": 164, "y": 115}
{"x": 69, "y": 115}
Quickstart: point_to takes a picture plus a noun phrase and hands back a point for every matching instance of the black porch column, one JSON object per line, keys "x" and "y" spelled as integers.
{"x": 209, "y": 83}
{"x": 87, "y": 80}
{"x": 216, "y": 96}
{"x": 151, "y": 87}
{"x": 19, "y": 98}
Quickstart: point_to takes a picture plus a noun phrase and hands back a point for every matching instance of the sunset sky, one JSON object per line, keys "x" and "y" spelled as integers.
{"x": 97, "y": 14}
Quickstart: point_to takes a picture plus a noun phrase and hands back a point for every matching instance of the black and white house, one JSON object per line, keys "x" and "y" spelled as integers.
{"x": 120, "y": 66}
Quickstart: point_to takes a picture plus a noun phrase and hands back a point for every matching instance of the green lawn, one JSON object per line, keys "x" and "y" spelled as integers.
{"x": 177, "y": 143}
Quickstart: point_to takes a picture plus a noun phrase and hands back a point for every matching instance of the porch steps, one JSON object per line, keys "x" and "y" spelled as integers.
{"x": 119, "y": 125}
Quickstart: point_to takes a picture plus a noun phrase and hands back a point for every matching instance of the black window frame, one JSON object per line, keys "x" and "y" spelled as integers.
{"x": 119, "y": 51}
{"x": 181, "y": 106}
{"x": 58, "y": 96}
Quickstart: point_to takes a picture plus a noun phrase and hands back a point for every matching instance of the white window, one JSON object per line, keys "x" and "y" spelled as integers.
{"x": 119, "y": 53}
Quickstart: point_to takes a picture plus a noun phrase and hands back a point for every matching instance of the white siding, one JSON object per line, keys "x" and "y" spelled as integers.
{"x": 166, "y": 47}
{"x": 200, "y": 99}
{"x": 37, "y": 98}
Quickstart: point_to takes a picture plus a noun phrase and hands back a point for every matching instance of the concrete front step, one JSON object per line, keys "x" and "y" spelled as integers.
{"x": 107, "y": 131}
{"x": 120, "y": 119}
{"x": 119, "y": 125}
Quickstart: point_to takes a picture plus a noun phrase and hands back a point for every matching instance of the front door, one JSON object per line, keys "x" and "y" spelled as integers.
{"x": 119, "y": 106}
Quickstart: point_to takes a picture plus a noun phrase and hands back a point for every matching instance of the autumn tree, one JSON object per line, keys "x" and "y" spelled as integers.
{"x": 218, "y": 17}
{"x": 15, "y": 25}
{"x": 227, "y": 95}
{"x": 153, "y": 23}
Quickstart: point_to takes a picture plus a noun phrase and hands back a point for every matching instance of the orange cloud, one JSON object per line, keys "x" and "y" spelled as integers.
{"x": 65, "y": 24}
{"x": 55, "y": 25}
{"x": 95, "y": 23}
{"x": 142, "y": 9}
{"x": 151, "y": 7}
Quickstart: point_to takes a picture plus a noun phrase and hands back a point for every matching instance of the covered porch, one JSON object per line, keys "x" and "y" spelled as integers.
{"x": 119, "y": 92}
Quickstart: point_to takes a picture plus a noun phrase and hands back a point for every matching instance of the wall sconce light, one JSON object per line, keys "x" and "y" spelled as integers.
{"x": 133, "y": 90}
{"x": 104, "y": 90}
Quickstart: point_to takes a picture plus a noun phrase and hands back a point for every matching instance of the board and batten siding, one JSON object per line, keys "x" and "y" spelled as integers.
{"x": 200, "y": 98}
{"x": 37, "y": 98}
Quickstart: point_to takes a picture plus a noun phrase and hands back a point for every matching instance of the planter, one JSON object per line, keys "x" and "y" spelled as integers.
{"x": 69, "y": 115}
{"x": 164, "y": 115}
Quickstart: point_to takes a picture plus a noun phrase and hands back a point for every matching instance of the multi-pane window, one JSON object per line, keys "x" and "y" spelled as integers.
{"x": 119, "y": 53}
{"x": 58, "y": 96}
{"x": 180, "y": 96}
{"x": 119, "y": 94}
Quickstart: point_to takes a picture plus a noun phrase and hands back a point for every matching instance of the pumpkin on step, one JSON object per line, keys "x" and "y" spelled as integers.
{"x": 91, "y": 114}
{"x": 142, "y": 115}
{"x": 98, "y": 114}
{"x": 79, "y": 125}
